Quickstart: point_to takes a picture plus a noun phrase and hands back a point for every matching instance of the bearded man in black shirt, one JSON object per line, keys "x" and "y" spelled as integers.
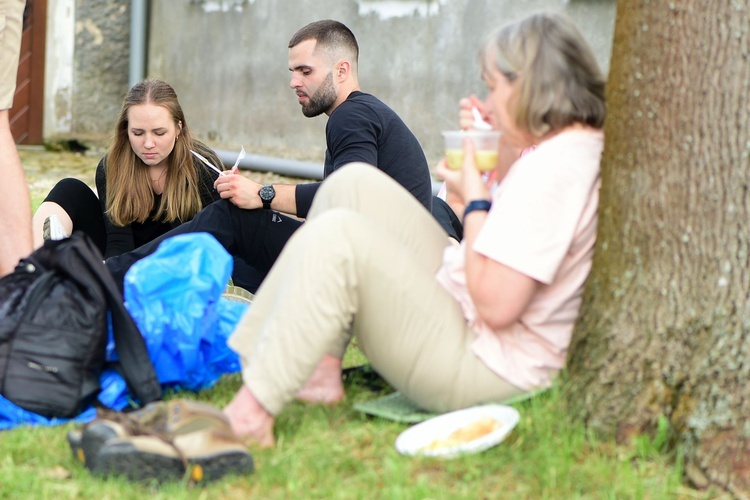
{"x": 251, "y": 224}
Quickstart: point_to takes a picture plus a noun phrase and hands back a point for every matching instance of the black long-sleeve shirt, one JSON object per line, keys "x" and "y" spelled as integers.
{"x": 364, "y": 129}
{"x": 121, "y": 239}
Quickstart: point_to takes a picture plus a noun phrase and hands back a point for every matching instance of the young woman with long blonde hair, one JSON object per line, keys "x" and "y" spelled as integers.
{"x": 148, "y": 183}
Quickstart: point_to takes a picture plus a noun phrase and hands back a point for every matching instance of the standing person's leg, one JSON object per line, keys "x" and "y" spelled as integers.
{"x": 15, "y": 204}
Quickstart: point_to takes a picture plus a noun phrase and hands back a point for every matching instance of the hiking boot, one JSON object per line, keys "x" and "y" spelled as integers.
{"x": 85, "y": 443}
{"x": 179, "y": 439}
{"x": 52, "y": 229}
{"x": 196, "y": 457}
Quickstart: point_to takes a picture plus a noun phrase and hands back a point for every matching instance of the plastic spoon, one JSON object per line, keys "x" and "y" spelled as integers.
{"x": 208, "y": 163}
{"x": 479, "y": 122}
{"x": 240, "y": 156}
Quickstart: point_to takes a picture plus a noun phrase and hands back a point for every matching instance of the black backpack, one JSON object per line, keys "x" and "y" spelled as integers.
{"x": 53, "y": 331}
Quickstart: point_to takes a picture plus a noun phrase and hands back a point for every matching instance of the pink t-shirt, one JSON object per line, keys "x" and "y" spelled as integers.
{"x": 542, "y": 224}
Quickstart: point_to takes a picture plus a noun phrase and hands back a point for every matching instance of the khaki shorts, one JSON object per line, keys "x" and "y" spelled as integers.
{"x": 11, "y": 24}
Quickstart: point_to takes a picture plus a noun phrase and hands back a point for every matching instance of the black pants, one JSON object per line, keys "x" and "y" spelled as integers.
{"x": 447, "y": 218}
{"x": 254, "y": 237}
{"x": 82, "y": 206}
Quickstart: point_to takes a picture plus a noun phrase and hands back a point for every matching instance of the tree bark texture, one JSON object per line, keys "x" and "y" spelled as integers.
{"x": 666, "y": 314}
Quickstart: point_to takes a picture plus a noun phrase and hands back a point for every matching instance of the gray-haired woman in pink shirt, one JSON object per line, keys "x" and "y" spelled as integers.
{"x": 449, "y": 325}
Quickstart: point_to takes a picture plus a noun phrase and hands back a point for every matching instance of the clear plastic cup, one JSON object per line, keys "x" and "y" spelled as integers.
{"x": 485, "y": 148}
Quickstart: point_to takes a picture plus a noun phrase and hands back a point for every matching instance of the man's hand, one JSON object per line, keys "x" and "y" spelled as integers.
{"x": 238, "y": 189}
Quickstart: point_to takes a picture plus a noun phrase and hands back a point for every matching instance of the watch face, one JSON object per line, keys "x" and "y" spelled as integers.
{"x": 267, "y": 193}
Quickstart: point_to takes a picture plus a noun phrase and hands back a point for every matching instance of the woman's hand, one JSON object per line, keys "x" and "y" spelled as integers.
{"x": 466, "y": 118}
{"x": 464, "y": 184}
{"x": 500, "y": 294}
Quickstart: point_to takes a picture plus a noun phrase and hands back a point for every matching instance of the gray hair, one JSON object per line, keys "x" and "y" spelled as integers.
{"x": 558, "y": 81}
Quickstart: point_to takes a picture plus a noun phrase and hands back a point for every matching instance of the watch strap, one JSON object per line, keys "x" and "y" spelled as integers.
{"x": 267, "y": 193}
{"x": 476, "y": 205}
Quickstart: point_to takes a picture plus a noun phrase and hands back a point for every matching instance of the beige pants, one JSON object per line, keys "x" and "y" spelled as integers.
{"x": 363, "y": 265}
{"x": 11, "y": 24}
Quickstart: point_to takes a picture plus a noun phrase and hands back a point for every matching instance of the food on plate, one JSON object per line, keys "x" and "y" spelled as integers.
{"x": 466, "y": 434}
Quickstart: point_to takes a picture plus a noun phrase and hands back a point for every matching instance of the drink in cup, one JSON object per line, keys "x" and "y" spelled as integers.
{"x": 485, "y": 148}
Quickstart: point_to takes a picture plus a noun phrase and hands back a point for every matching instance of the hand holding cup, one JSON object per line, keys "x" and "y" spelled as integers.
{"x": 485, "y": 148}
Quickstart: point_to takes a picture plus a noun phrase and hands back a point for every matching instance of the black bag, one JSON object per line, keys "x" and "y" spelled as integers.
{"x": 53, "y": 331}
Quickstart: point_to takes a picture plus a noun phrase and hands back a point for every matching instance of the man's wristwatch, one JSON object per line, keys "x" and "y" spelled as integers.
{"x": 267, "y": 194}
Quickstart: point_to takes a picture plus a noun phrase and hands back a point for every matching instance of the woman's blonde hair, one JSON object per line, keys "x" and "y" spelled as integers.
{"x": 557, "y": 79}
{"x": 130, "y": 197}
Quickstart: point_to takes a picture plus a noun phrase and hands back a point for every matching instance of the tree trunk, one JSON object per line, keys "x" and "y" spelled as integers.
{"x": 666, "y": 314}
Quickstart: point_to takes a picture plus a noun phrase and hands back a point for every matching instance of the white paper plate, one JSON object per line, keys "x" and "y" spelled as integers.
{"x": 415, "y": 440}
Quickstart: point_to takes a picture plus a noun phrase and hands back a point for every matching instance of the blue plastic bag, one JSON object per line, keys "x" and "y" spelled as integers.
{"x": 12, "y": 416}
{"x": 174, "y": 296}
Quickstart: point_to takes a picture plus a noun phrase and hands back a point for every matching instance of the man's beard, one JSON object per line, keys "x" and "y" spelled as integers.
{"x": 322, "y": 100}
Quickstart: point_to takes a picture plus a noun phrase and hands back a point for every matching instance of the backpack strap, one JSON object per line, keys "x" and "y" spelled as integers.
{"x": 135, "y": 363}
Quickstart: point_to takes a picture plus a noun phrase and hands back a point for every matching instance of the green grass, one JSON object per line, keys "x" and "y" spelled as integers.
{"x": 337, "y": 452}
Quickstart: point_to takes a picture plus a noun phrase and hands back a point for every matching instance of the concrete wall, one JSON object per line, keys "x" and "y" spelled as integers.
{"x": 101, "y": 63}
{"x": 58, "y": 68}
{"x": 86, "y": 67}
{"x": 227, "y": 60}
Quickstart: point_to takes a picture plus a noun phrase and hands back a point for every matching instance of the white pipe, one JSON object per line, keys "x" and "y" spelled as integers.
{"x": 282, "y": 166}
{"x": 138, "y": 26}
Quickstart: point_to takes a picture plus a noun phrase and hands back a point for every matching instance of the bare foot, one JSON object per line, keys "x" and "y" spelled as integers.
{"x": 324, "y": 385}
{"x": 249, "y": 420}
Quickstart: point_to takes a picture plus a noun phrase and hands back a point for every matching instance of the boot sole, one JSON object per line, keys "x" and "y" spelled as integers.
{"x": 75, "y": 440}
{"x": 93, "y": 438}
{"x": 124, "y": 459}
{"x": 85, "y": 444}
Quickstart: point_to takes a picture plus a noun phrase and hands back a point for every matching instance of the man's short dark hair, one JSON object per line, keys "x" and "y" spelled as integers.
{"x": 328, "y": 34}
